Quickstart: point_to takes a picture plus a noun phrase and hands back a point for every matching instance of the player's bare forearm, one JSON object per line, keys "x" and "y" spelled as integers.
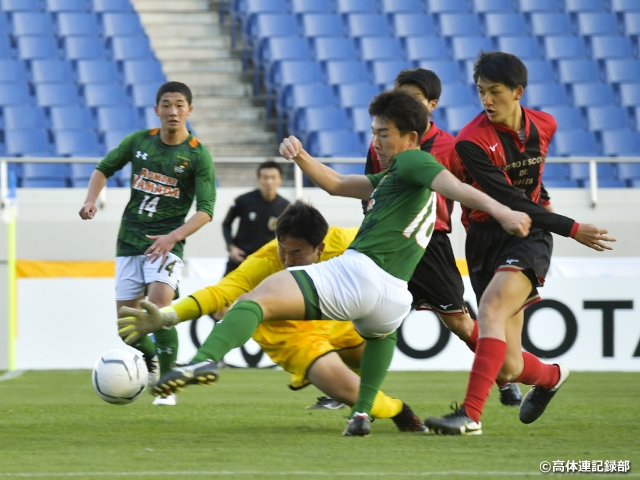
{"x": 96, "y": 183}
{"x": 191, "y": 226}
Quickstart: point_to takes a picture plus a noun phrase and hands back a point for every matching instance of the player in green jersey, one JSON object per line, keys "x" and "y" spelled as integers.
{"x": 170, "y": 168}
{"x": 368, "y": 283}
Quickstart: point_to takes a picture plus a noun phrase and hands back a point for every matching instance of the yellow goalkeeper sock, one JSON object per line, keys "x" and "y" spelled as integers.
{"x": 385, "y": 406}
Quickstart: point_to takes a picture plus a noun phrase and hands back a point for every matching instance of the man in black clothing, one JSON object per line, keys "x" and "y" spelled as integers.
{"x": 258, "y": 211}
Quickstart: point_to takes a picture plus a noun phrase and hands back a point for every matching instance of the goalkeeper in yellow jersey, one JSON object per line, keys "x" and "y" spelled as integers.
{"x": 323, "y": 353}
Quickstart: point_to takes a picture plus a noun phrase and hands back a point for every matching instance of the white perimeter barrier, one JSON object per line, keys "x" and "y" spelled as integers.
{"x": 589, "y": 319}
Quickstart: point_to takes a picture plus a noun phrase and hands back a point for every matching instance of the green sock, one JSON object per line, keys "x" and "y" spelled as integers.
{"x": 166, "y": 348}
{"x": 375, "y": 362}
{"x": 146, "y": 346}
{"x": 231, "y": 332}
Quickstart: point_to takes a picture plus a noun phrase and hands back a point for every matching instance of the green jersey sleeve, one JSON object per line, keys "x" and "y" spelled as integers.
{"x": 116, "y": 158}
{"x": 375, "y": 178}
{"x": 418, "y": 168}
{"x": 205, "y": 184}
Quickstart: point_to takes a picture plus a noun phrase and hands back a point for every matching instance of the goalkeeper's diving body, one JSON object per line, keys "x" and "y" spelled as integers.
{"x": 368, "y": 283}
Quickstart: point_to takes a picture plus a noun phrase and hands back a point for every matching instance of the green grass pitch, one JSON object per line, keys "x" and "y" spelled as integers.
{"x": 249, "y": 425}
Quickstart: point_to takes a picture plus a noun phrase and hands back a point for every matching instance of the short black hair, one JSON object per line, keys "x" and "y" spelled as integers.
{"x": 500, "y": 67}
{"x": 426, "y": 80}
{"x": 301, "y": 220}
{"x": 174, "y": 87}
{"x": 269, "y": 164}
{"x": 404, "y": 111}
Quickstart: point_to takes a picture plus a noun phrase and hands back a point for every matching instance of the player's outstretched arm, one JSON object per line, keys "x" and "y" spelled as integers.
{"x": 516, "y": 223}
{"x": 355, "y": 186}
{"x": 96, "y": 184}
{"x": 136, "y": 323}
{"x": 593, "y": 237}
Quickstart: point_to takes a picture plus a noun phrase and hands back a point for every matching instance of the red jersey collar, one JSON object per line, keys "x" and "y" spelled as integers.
{"x": 514, "y": 133}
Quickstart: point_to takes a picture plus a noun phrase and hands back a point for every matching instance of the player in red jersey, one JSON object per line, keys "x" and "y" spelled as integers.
{"x": 503, "y": 151}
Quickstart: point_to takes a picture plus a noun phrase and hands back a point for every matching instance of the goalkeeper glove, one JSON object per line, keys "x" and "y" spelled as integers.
{"x": 136, "y": 323}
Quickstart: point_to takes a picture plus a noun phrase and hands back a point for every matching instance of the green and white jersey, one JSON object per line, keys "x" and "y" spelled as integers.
{"x": 398, "y": 226}
{"x": 165, "y": 179}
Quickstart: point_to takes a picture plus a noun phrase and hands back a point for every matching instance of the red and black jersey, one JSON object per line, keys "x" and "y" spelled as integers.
{"x": 441, "y": 145}
{"x": 499, "y": 164}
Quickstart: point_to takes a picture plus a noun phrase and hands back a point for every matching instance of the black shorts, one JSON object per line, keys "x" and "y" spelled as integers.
{"x": 490, "y": 249}
{"x": 436, "y": 283}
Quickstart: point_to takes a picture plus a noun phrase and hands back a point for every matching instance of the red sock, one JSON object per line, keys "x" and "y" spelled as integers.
{"x": 473, "y": 338}
{"x": 490, "y": 355}
{"x": 537, "y": 373}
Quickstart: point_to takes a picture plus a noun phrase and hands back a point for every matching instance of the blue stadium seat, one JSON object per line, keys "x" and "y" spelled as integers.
{"x": 413, "y": 25}
{"x": 122, "y": 24}
{"x": 335, "y": 143}
{"x": 499, "y": 24}
{"x": 353, "y": 71}
{"x": 576, "y": 143}
{"x": 5, "y": 47}
{"x": 255, "y": 9}
{"x": 30, "y": 48}
{"x": 312, "y": 6}
{"x": 426, "y": 48}
{"x": 487, "y": 6}
{"x": 578, "y": 71}
{"x": 585, "y": 5}
{"x": 360, "y": 119}
{"x": 320, "y": 118}
{"x": 97, "y": 71}
{"x": 581, "y": 172}
{"x": 458, "y": 117}
{"x": 24, "y": 117}
{"x": 402, "y": 6}
{"x": 80, "y": 173}
{"x": 608, "y": 46}
{"x": 567, "y": 118}
{"x": 55, "y": 94}
{"x": 531, "y": 6}
{"x": 468, "y": 48}
{"x": 459, "y": 24}
{"x": 78, "y": 23}
{"x": 14, "y": 94}
{"x": 555, "y": 171}
{"x": 66, "y": 5}
{"x": 51, "y": 71}
{"x": 544, "y": 94}
{"x": 130, "y": 48}
{"x": 385, "y": 71}
{"x": 276, "y": 50}
{"x": 20, "y": 5}
{"x": 592, "y": 94}
{"x": 368, "y": 25}
{"x": 548, "y": 23}
{"x": 309, "y": 95}
{"x": 322, "y": 25}
{"x": 379, "y": 48}
{"x": 620, "y": 143}
{"x": 456, "y": 95}
{"x": 540, "y": 71}
{"x": 607, "y": 118}
{"x": 632, "y": 23}
{"x": 112, "y": 138}
{"x": 625, "y": 6}
{"x": 597, "y": 23}
{"x": 32, "y": 23}
{"x": 26, "y": 142}
{"x": 356, "y": 95}
{"x": 144, "y": 94}
{"x": 105, "y": 95}
{"x": 289, "y": 73}
{"x": 447, "y": 71}
{"x": 353, "y": 6}
{"x": 608, "y": 183}
{"x": 12, "y": 71}
{"x": 557, "y": 183}
{"x": 629, "y": 171}
{"x": 349, "y": 168}
{"x": 522, "y": 47}
{"x": 45, "y": 175}
{"x": 629, "y": 94}
{"x": 77, "y": 143}
{"x": 70, "y": 117}
{"x": 81, "y": 48}
{"x": 149, "y": 118}
{"x": 143, "y": 71}
{"x": 334, "y": 48}
{"x": 563, "y": 47}
{"x": 622, "y": 71}
{"x": 112, "y": 6}
{"x": 117, "y": 118}
{"x": 444, "y": 6}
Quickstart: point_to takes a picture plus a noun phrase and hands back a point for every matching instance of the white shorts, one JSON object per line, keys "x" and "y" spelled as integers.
{"x": 133, "y": 274}
{"x": 352, "y": 287}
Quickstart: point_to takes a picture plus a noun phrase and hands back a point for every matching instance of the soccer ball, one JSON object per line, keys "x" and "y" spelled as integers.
{"x": 120, "y": 376}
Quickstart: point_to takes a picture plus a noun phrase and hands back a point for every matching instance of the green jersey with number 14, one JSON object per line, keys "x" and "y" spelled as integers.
{"x": 398, "y": 226}
{"x": 164, "y": 181}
